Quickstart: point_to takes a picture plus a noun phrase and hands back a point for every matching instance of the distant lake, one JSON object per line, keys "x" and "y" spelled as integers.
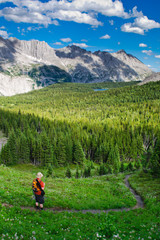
{"x": 101, "y": 89}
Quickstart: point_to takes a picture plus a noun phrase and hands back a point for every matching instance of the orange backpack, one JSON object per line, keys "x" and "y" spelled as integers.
{"x": 35, "y": 187}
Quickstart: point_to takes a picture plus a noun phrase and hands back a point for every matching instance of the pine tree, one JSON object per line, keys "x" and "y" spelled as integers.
{"x": 61, "y": 152}
{"x": 114, "y": 159}
{"x": 79, "y": 156}
{"x": 68, "y": 173}
{"x": 77, "y": 173}
{"x": 49, "y": 170}
{"x": 47, "y": 151}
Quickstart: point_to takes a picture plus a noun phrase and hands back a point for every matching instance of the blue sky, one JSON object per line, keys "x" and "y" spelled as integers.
{"x": 107, "y": 25}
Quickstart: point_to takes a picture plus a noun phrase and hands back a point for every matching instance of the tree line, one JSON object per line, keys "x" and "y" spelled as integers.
{"x": 117, "y": 126}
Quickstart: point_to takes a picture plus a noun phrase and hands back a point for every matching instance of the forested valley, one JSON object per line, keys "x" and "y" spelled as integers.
{"x": 70, "y": 123}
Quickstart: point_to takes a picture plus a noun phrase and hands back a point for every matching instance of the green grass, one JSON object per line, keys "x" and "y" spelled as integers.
{"x": 135, "y": 224}
{"x": 92, "y": 193}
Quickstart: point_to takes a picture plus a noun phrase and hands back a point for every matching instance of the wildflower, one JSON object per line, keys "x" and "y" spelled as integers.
{"x": 33, "y": 232}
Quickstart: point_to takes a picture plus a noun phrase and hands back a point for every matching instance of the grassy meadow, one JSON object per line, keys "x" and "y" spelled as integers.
{"x": 84, "y": 193}
{"x": 25, "y": 224}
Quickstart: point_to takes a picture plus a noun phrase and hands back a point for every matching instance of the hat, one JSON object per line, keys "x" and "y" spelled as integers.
{"x": 39, "y": 175}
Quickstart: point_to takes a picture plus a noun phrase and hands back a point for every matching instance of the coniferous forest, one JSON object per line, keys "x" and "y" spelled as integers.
{"x": 68, "y": 123}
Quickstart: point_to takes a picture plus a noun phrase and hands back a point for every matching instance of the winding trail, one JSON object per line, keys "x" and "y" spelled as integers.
{"x": 140, "y": 204}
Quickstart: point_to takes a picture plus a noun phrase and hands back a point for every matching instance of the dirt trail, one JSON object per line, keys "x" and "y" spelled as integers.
{"x": 140, "y": 204}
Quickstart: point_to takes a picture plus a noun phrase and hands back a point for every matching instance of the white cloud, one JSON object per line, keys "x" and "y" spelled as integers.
{"x": 82, "y": 45}
{"x": 23, "y": 15}
{"x": 58, "y": 43}
{"x": 140, "y": 25}
{"x": 148, "y": 52}
{"x": 149, "y": 66}
{"x": 108, "y": 50}
{"x": 4, "y": 34}
{"x": 157, "y": 56}
{"x": 84, "y": 40}
{"x": 119, "y": 43}
{"x": 3, "y": 27}
{"x": 66, "y": 40}
{"x": 135, "y": 13}
{"x": 80, "y": 11}
{"x": 130, "y": 28}
{"x": 111, "y": 22}
{"x": 105, "y": 7}
{"x": 145, "y": 23}
{"x": 105, "y": 37}
{"x": 142, "y": 45}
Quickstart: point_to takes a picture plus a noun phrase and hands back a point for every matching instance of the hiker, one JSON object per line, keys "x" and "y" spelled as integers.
{"x": 38, "y": 190}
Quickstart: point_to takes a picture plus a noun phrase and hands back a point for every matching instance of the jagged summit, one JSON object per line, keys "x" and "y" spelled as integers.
{"x": 121, "y": 51}
{"x": 27, "y": 65}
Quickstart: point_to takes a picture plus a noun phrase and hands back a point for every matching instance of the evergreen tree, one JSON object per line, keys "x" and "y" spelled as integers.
{"x": 61, "y": 152}
{"x": 49, "y": 170}
{"x": 77, "y": 173}
{"x": 114, "y": 159}
{"x": 47, "y": 151}
{"x": 68, "y": 173}
{"x": 79, "y": 156}
{"x": 102, "y": 170}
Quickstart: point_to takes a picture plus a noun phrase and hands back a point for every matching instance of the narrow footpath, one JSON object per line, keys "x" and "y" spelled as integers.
{"x": 140, "y": 204}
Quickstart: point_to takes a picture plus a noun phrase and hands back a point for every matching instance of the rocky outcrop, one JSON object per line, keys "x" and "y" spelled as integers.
{"x": 154, "y": 77}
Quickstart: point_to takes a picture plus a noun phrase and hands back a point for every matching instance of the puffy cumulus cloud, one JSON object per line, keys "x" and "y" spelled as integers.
{"x": 105, "y": 37}
{"x": 23, "y": 15}
{"x": 130, "y": 28}
{"x": 148, "y": 52}
{"x": 135, "y": 13}
{"x": 66, "y": 40}
{"x": 142, "y": 45}
{"x": 105, "y": 7}
{"x": 145, "y": 23}
{"x": 75, "y": 16}
{"x": 4, "y": 34}
{"x": 80, "y": 11}
{"x": 157, "y": 56}
{"x": 82, "y": 45}
{"x": 140, "y": 25}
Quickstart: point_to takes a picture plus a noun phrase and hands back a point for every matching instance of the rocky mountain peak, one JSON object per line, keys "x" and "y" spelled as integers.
{"x": 35, "y": 64}
{"x": 122, "y": 51}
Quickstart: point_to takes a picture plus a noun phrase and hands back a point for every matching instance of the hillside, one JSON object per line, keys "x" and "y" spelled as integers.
{"x": 99, "y": 137}
{"x": 68, "y": 123}
{"x": 30, "y": 65}
{"x": 155, "y": 77}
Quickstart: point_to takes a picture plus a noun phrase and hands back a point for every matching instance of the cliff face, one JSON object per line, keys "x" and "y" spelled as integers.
{"x": 28, "y": 65}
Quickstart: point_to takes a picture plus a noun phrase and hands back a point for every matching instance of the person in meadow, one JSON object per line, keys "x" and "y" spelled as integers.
{"x": 38, "y": 189}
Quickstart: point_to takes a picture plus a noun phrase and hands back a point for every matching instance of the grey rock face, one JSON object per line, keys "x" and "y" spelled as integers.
{"x": 85, "y": 66}
{"x": 35, "y": 64}
{"x": 154, "y": 77}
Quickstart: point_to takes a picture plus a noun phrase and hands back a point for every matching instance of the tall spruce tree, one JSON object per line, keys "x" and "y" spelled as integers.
{"x": 79, "y": 156}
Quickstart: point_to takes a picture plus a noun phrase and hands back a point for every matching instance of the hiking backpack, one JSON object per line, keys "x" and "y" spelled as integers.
{"x": 35, "y": 186}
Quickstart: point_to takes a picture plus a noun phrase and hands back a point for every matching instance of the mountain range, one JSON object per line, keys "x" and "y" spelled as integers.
{"x": 29, "y": 65}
